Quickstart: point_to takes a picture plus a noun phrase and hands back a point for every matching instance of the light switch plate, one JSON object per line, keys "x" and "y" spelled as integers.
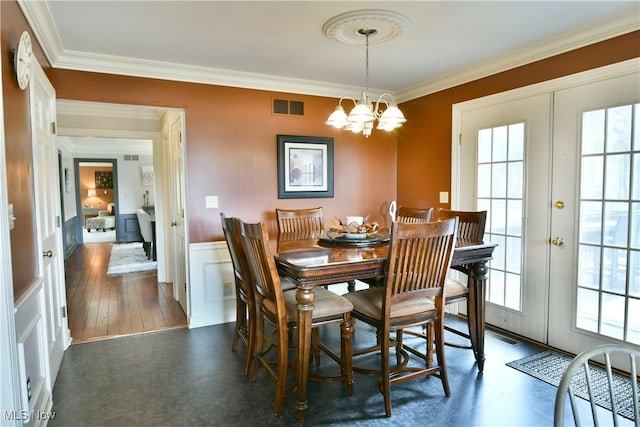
{"x": 211, "y": 202}
{"x": 444, "y": 197}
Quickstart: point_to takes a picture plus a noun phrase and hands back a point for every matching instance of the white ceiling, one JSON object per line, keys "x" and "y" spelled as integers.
{"x": 280, "y": 45}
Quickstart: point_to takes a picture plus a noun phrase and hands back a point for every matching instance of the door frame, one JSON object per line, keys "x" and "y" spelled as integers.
{"x": 76, "y": 172}
{"x": 565, "y": 82}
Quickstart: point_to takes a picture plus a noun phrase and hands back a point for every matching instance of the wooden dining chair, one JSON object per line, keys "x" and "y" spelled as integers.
{"x": 471, "y": 228}
{"x": 419, "y": 258}
{"x": 407, "y": 214}
{"x": 279, "y": 309}
{"x": 300, "y": 223}
{"x": 245, "y": 325}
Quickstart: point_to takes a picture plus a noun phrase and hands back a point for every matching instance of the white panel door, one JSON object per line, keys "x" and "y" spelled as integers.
{"x": 47, "y": 198}
{"x": 178, "y": 214}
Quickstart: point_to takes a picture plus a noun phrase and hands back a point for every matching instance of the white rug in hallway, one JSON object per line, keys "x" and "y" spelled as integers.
{"x": 98, "y": 236}
{"x": 129, "y": 258}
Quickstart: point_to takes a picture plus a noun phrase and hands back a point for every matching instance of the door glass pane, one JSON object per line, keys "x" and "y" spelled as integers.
{"x": 617, "y": 177}
{"x": 593, "y": 132}
{"x": 501, "y": 192}
{"x": 591, "y": 178}
{"x": 589, "y": 267}
{"x": 608, "y": 263}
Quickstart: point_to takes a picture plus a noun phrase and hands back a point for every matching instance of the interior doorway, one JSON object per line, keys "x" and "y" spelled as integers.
{"x": 131, "y": 140}
{"x": 96, "y": 200}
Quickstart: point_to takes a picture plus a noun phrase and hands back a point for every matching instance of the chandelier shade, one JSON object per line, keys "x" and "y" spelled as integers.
{"x": 364, "y": 113}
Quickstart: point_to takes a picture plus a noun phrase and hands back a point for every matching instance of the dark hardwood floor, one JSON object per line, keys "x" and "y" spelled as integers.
{"x": 101, "y": 306}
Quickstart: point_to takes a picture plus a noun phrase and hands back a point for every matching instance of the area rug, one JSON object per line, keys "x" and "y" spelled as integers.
{"x": 549, "y": 366}
{"x": 129, "y": 258}
{"x": 98, "y": 236}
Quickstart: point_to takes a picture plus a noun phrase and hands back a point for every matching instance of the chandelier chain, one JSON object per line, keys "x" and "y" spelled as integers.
{"x": 366, "y": 81}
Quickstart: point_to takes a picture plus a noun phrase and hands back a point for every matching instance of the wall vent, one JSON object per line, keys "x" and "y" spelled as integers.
{"x": 283, "y": 106}
{"x": 131, "y": 157}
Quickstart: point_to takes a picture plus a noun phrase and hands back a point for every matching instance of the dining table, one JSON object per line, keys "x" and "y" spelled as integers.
{"x": 324, "y": 260}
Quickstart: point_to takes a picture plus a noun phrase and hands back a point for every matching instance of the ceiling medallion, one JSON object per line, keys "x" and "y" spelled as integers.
{"x": 344, "y": 27}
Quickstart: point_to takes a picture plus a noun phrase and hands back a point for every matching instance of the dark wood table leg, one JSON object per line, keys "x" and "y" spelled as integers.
{"x": 305, "y": 298}
{"x": 475, "y": 309}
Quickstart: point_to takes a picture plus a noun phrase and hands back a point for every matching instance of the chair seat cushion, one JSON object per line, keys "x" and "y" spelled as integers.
{"x": 454, "y": 290}
{"x": 327, "y": 304}
{"x": 369, "y": 303}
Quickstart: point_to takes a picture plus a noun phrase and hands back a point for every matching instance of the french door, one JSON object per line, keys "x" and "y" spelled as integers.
{"x": 595, "y": 293}
{"x": 505, "y": 171}
{"x": 557, "y": 167}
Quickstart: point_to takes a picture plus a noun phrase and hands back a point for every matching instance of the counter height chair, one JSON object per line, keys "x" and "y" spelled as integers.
{"x": 245, "y": 325}
{"x": 413, "y": 294}
{"x": 279, "y": 309}
{"x": 406, "y": 214}
{"x": 300, "y": 223}
{"x": 144, "y": 222}
{"x": 471, "y": 228}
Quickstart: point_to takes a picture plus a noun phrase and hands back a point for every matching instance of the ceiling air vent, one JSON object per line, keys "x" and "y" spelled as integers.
{"x": 283, "y": 106}
{"x": 131, "y": 157}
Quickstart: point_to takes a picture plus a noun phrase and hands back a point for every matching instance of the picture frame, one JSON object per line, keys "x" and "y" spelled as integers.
{"x": 146, "y": 175}
{"x": 305, "y": 167}
{"x": 104, "y": 180}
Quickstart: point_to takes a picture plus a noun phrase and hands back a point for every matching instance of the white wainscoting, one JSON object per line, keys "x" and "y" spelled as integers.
{"x": 211, "y": 283}
{"x": 33, "y": 356}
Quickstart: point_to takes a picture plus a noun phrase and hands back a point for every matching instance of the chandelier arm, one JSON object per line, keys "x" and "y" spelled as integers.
{"x": 350, "y": 99}
{"x": 381, "y": 99}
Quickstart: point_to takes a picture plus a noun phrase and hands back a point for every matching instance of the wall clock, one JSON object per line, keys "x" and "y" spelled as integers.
{"x": 23, "y": 57}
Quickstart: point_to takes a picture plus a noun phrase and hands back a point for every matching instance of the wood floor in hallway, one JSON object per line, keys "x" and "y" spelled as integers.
{"x": 101, "y": 307}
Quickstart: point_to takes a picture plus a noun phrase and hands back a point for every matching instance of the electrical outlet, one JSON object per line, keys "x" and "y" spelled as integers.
{"x": 211, "y": 202}
{"x": 444, "y": 197}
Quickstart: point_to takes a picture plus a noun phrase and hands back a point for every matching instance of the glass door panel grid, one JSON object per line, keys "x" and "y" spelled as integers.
{"x": 608, "y": 288}
{"x": 500, "y": 191}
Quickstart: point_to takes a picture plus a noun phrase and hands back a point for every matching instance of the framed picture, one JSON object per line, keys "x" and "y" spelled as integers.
{"x": 104, "y": 179}
{"x": 146, "y": 175}
{"x": 305, "y": 167}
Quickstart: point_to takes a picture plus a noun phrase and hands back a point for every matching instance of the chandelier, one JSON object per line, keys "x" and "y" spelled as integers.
{"x": 365, "y": 112}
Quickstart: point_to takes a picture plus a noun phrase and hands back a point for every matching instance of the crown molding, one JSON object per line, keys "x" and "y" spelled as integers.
{"x": 81, "y": 61}
{"x": 39, "y": 17}
{"x": 43, "y": 26}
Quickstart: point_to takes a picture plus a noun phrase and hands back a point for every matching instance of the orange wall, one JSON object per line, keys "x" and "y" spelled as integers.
{"x": 424, "y": 142}
{"x": 232, "y": 148}
{"x": 18, "y": 151}
{"x": 231, "y": 141}
{"x": 87, "y": 178}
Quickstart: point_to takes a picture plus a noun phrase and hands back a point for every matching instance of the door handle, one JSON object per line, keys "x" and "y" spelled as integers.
{"x": 557, "y": 241}
{"x": 173, "y": 224}
{"x": 48, "y": 254}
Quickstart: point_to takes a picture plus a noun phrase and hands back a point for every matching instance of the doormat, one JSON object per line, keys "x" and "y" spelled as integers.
{"x": 129, "y": 258}
{"x": 549, "y": 366}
